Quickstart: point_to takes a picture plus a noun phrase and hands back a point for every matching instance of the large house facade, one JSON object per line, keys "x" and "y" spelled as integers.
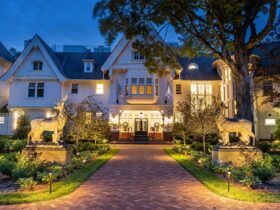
{"x": 137, "y": 103}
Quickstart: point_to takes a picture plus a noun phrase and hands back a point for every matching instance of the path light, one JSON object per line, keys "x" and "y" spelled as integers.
{"x": 199, "y": 161}
{"x": 228, "y": 176}
{"x": 50, "y": 182}
{"x": 84, "y": 161}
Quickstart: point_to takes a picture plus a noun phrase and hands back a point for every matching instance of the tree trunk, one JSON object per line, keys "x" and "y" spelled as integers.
{"x": 243, "y": 89}
{"x": 204, "y": 146}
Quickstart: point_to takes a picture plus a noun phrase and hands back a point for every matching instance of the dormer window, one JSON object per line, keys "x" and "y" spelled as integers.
{"x": 37, "y": 65}
{"x": 137, "y": 56}
{"x": 88, "y": 67}
{"x": 192, "y": 66}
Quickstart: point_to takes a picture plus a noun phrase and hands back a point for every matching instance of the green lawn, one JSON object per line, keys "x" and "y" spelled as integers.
{"x": 61, "y": 188}
{"x": 218, "y": 186}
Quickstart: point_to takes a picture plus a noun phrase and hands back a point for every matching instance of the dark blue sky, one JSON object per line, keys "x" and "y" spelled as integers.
{"x": 56, "y": 21}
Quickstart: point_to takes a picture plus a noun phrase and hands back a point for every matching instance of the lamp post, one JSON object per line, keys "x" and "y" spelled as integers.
{"x": 228, "y": 176}
{"x": 50, "y": 182}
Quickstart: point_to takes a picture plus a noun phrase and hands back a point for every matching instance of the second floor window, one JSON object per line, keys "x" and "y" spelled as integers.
{"x": 74, "y": 88}
{"x": 37, "y": 65}
{"x": 36, "y": 89}
{"x": 99, "y": 89}
{"x": 178, "y": 89}
{"x": 267, "y": 87}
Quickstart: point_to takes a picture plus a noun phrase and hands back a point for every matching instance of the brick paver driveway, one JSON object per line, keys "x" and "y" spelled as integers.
{"x": 142, "y": 177}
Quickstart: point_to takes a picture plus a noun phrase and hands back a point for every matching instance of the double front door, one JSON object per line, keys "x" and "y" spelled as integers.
{"x": 141, "y": 126}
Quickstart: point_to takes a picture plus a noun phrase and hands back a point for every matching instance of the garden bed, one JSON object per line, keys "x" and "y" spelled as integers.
{"x": 218, "y": 184}
{"x": 61, "y": 187}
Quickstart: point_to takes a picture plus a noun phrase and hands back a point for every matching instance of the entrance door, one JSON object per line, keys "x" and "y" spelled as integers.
{"x": 141, "y": 126}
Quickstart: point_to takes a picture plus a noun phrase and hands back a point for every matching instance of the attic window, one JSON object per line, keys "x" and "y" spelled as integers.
{"x": 88, "y": 67}
{"x": 37, "y": 65}
{"x": 192, "y": 66}
{"x": 138, "y": 56}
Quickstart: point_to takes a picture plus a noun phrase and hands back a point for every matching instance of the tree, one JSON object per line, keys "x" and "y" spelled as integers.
{"x": 14, "y": 52}
{"x": 85, "y": 121}
{"x": 270, "y": 72}
{"x": 23, "y": 127}
{"x": 197, "y": 117}
{"x": 208, "y": 27}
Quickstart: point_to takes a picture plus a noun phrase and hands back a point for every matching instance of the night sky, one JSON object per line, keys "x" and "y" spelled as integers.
{"x": 56, "y": 21}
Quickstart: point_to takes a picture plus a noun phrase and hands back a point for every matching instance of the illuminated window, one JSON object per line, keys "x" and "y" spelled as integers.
{"x": 2, "y": 120}
{"x": 98, "y": 114}
{"x": 37, "y": 65}
{"x": 193, "y": 89}
{"x": 88, "y": 117}
{"x": 141, "y": 89}
{"x": 192, "y": 66}
{"x": 200, "y": 89}
{"x": 133, "y": 89}
{"x": 270, "y": 122}
{"x": 178, "y": 89}
{"x": 99, "y": 89}
{"x": 201, "y": 93}
{"x": 149, "y": 89}
{"x": 208, "y": 89}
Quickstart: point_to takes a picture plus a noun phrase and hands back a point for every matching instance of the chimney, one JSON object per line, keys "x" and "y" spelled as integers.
{"x": 26, "y": 42}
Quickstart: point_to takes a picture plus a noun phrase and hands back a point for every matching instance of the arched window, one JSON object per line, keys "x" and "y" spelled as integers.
{"x": 37, "y": 65}
{"x": 193, "y": 66}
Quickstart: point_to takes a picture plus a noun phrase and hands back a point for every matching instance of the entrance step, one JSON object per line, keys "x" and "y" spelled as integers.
{"x": 141, "y": 138}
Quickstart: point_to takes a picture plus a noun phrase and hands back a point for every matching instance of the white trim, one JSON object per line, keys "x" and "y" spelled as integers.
{"x": 35, "y": 42}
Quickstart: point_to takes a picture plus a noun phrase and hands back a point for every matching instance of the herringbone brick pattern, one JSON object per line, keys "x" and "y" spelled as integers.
{"x": 142, "y": 177}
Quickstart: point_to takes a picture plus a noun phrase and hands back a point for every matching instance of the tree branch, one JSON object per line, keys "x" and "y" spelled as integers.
{"x": 254, "y": 40}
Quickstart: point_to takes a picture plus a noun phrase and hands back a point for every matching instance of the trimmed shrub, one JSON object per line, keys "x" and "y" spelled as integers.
{"x": 26, "y": 183}
{"x": 263, "y": 169}
{"x": 6, "y": 167}
{"x": 23, "y": 127}
{"x": 17, "y": 145}
{"x": 265, "y": 146}
{"x": 4, "y": 145}
{"x": 25, "y": 168}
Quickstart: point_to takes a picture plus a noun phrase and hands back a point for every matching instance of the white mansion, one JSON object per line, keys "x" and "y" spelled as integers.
{"x": 40, "y": 77}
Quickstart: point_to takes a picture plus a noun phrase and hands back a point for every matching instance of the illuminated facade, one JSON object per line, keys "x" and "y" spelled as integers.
{"x": 137, "y": 103}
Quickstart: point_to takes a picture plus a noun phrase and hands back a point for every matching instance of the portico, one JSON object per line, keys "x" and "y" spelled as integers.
{"x": 139, "y": 120}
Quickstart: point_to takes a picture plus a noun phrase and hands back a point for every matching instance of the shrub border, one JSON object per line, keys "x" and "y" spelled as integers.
{"x": 218, "y": 186}
{"x": 60, "y": 188}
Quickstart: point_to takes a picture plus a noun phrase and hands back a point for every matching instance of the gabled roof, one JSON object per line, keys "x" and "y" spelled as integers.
{"x": 4, "y": 53}
{"x": 205, "y": 70}
{"x": 36, "y": 42}
{"x": 123, "y": 43}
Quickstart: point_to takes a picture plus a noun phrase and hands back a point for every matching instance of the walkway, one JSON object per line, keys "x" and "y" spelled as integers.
{"x": 142, "y": 177}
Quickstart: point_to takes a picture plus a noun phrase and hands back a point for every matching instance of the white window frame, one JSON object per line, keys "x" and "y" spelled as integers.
{"x": 86, "y": 67}
{"x": 99, "y": 89}
{"x": 2, "y": 120}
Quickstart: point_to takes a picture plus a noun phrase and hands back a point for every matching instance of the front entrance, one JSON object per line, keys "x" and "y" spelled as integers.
{"x": 141, "y": 126}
